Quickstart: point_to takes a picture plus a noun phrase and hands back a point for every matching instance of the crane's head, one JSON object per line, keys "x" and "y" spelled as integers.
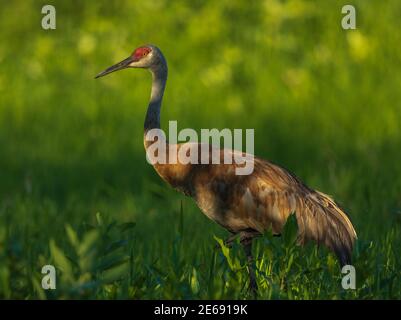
{"x": 147, "y": 57}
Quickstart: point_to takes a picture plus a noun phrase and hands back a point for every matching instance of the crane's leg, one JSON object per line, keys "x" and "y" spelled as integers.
{"x": 246, "y": 241}
{"x": 246, "y": 238}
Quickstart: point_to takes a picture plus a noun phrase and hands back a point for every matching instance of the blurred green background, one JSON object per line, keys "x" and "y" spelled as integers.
{"x": 324, "y": 102}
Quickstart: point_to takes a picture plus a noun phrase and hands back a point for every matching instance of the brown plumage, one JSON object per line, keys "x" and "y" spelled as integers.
{"x": 261, "y": 201}
{"x": 246, "y": 205}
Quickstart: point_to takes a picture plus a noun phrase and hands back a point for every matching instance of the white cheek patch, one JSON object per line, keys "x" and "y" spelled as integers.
{"x": 142, "y": 61}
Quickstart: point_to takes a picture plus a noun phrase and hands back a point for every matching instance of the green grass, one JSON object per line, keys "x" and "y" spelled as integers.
{"x": 77, "y": 192}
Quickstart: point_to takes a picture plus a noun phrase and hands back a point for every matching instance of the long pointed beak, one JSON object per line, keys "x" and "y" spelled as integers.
{"x": 118, "y": 66}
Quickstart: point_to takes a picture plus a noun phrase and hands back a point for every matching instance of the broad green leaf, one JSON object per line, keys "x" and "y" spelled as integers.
{"x": 72, "y": 236}
{"x": 226, "y": 252}
{"x": 61, "y": 261}
{"x": 99, "y": 219}
{"x": 194, "y": 281}
{"x": 116, "y": 273}
{"x": 88, "y": 242}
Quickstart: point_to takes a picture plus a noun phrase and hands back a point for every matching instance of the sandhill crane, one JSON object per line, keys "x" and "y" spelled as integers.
{"x": 245, "y": 205}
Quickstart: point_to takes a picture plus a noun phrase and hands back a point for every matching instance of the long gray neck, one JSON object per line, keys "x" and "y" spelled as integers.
{"x": 159, "y": 76}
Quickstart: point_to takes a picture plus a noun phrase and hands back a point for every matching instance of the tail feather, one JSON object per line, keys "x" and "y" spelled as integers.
{"x": 322, "y": 220}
